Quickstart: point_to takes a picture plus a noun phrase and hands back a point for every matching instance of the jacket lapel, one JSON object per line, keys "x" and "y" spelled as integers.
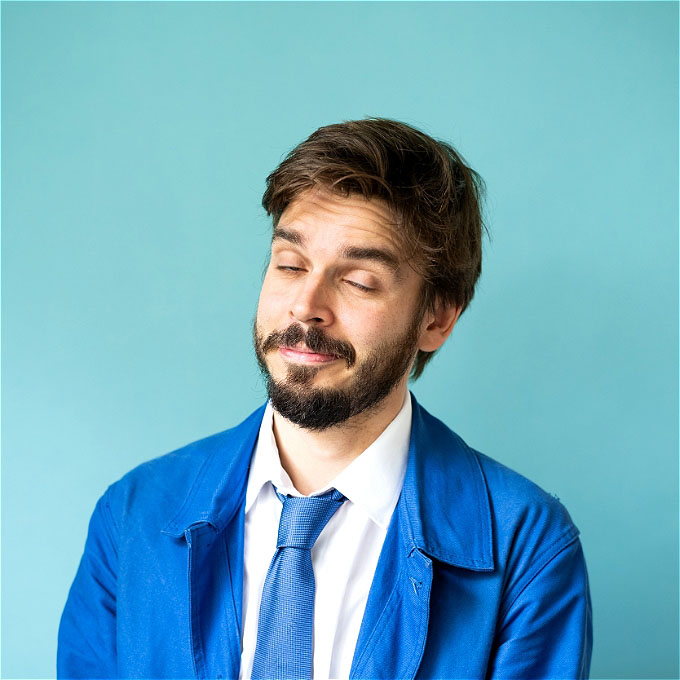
{"x": 443, "y": 513}
{"x": 211, "y": 521}
{"x": 215, "y": 631}
{"x": 394, "y": 627}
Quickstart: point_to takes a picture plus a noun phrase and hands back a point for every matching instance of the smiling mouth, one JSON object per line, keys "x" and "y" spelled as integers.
{"x": 306, "y": 356}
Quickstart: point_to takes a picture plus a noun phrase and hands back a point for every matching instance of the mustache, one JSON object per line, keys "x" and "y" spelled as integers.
{"x": 313, "y": 338}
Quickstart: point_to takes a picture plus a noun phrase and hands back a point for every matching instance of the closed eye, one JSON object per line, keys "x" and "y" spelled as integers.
{"x": 354, "y": 284}
{"x": 361, "y": 287}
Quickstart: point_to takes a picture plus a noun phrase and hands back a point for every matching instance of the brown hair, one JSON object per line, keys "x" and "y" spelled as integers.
{"x": 435, "y": 197}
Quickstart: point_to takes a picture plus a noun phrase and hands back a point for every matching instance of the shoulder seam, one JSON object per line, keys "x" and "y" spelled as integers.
{"x": 571, "y": 535}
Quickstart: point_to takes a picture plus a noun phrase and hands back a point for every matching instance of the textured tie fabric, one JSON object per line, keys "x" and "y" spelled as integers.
{"x": 286, "y": 623}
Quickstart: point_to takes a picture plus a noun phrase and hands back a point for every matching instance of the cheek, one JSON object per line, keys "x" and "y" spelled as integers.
{"x": 370, "y": 328}
{"x": 271, "y": 303}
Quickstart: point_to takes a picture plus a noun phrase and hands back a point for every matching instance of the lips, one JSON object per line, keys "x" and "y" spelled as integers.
{"x": 310, "y": 346}
{"x": 305, "y": 355}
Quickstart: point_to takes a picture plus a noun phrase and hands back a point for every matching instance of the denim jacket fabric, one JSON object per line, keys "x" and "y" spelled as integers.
{"x": 481, "y": 574}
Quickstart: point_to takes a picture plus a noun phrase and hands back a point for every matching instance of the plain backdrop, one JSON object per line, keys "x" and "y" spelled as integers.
{"x": 136, "y": 138}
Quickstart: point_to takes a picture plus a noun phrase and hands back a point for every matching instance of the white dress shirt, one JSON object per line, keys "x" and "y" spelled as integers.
{"x": 346, "y": 553}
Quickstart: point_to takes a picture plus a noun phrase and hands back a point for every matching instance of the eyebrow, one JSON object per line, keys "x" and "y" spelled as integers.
{"x": 289, "y": 235}
{"x": 379, "y": 255}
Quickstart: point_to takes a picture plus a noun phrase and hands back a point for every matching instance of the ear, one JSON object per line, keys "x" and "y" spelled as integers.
{"x": 438, "y": 326}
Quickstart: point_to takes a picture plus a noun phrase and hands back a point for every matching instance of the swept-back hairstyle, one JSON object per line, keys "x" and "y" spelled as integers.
{"x": 434, "y": 196}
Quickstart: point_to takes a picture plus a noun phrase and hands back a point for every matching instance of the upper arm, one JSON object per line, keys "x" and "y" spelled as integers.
{"x": 545, "y": 629}
{"x": 87, "y": 632}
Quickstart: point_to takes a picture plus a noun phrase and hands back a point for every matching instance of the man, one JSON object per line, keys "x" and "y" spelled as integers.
{"x": 340, "y": 530}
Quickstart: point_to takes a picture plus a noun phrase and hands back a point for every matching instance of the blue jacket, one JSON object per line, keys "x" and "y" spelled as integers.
{"x": 481, "y": 574}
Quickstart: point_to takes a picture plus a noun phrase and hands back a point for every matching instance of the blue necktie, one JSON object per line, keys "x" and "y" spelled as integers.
{"x": 286, "y": 623}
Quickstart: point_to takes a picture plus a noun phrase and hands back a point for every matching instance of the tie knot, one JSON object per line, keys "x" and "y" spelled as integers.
{"x": 303, "y": 519}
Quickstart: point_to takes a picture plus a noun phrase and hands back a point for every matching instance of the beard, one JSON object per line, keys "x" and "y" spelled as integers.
{"x": 319, "y": 408}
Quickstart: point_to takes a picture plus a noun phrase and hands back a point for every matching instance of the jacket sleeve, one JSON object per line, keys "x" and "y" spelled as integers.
{"x": 546, "y": 627}
{"x": 87, "y": 632}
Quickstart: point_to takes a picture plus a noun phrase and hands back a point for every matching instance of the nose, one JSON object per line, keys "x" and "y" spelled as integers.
{"x": 311, "y": 304}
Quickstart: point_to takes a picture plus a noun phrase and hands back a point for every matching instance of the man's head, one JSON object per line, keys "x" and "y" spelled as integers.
{"x": 375, "y": 252}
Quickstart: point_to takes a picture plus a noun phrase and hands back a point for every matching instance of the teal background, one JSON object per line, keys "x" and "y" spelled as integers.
{"x": 136, "y": 138}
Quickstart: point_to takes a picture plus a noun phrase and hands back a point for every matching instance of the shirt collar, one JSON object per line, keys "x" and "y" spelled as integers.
{"x": 372, "y": 481}
{"x": 266, "y": 466}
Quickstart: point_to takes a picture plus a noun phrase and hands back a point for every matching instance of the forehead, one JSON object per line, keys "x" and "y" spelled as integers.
{"x": 341, "y": 217}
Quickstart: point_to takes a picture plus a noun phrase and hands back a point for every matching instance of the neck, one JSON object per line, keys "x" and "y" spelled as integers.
{"x": 312, "y": 459}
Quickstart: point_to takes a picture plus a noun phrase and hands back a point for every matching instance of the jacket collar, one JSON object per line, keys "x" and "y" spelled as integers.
{"x": 219, "y": 488}
{"x": 444, "y": 502}
{"x": 446, "y": 507}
